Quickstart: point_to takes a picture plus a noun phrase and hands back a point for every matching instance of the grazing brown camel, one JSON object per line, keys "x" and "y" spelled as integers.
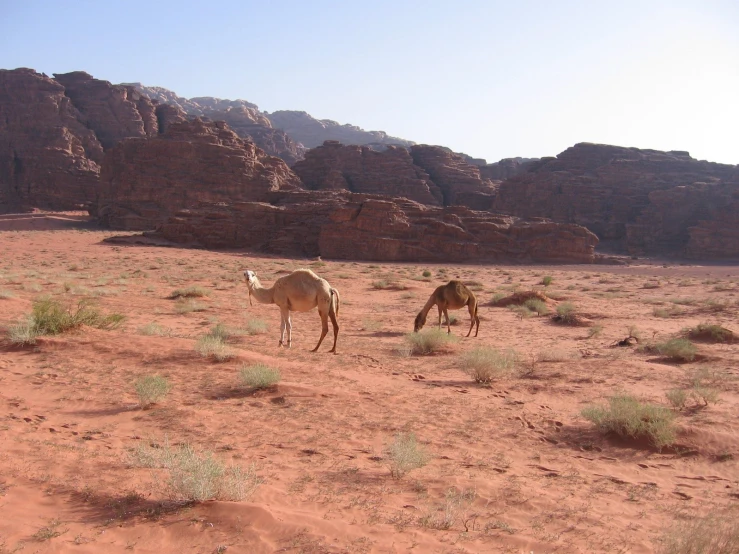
{"x": 452, "y": 296}
{"x": 300, "y": 291}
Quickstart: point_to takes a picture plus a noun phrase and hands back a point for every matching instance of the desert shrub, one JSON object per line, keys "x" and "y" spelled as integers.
{"x": 672, "y": 311}
{"x": 197, "y": 475}
{"x": 4, "y": 294}
{"x": 553, "y": 356}
{"x": 404, "y": 454}
{"x": 537, "y": 305}
{"x": 677, "y": 349}
{"x": 710, "y": 333}
{"x": 187, "y": 305}
{"x": 456, "y": 503}
{"x": 150, "y": 389}
{"x": 388, "y": 283}
{"x": 151, "y": 329}
{"x": 713, "y": 534}
{"x": 50, "y": 317}
{"x": 595, "y": 331}
{"x": 706, "y": 395}
{"x": 487, "y": 364}
{"x": 567, "y": 314}
{"x": 717, "y": 306}
{"x": 474, "y": 285}
{"x": 627, "y": 417}
{"x": 259, "y": 376}
{"x": 517, "y": 298}
{"x": 547, "y": 280}
{"x": 209, "y": 346}
{"x": 677, "y": 398}
{"x": 426, "y": 273}
{"x": 652, "y": 285}
{"x": 188, "y": 292}
{"x": 429, "y": 341}
{"x": 255, "y": 326}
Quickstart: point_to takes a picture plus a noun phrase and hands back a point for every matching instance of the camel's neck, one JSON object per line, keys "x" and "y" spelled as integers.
{"x": 430, "y": 303}
{"x": 261, "y": 294}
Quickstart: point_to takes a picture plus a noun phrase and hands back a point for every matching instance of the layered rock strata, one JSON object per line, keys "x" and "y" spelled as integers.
{"x": 365, "y": 227}
{"x": 144, "y": 180}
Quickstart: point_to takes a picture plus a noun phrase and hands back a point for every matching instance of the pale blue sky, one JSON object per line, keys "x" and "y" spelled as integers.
{"x": 491, "y": 79}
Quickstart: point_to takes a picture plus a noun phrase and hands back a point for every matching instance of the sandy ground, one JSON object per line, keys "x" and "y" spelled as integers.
{"x": 514, "y": 466}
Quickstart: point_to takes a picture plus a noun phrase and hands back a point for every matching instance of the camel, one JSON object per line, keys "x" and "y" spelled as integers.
{"x": 300, "y": 291}
{"x": 452, "y": 296}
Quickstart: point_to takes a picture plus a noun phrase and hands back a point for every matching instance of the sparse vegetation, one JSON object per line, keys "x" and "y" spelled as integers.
{"x": 210, "y": 346}
{"x": 195, "y": 475}
{"x": 404, "y": 454}
{"x": 486, "y": 364}
{"x": 677, "y": 398}
{"x": 547, "y": 280}
{"x": 150, "y": 389}
{"x": 188, "y": 292}
{"x": 5, "y": 294}
{"x": 627, "y": 417}
{"x": 255, "y": 326}
{"x": 259, "y": 376}
{"x": 537, "y": 305}
{"x": 567, "y": 314}
{"x": 50, "y": 317}
{"x": 677, "y": 349}
{"x": 429, "y": 341}
{"x": 153, "y": 328}
{"x": 595, "y": 331}
{"x": 187, "y": 305}
{"x": 426, "y": 273}
{"x": 455, "y": 504}
{"x": 710, "y": 333}
{"x": 713, "y": 534}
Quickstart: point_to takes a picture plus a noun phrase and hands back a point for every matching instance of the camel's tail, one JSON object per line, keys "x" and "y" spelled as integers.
{"x": 335, "y": 306}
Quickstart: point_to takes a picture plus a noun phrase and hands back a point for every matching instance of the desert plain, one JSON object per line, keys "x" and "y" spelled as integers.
{"x": 512, "y": 465}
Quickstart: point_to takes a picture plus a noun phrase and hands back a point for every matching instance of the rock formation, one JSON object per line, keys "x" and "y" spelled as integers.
{"x": 48, "y": 158}
{"x": 427, "y": 174}
{"x": 607, "y": 189}
{"x": 390, "y": 172}
{"x": 506, "y": 168}
{"x": 312, "y": 132}
{"x": 143, "y": 180}
{"x": 343, "y": 225}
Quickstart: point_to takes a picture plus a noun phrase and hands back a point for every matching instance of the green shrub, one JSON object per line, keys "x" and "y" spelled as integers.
{"x": 627, "y": 417}
{"x": 595, "y": 331}
{"x": 404, "y": 454}
{"x": 677, "y": 398}
{"x": 150, "y": 389}
{"x": 259, "y": 376}
{"x": 188, "y": 292}
{"x": 567, "y": 314}
{"x": 187, "y": 305}
{"x": 487, "y": 364}
{"x": 426, "y": 273}
{"x": 677, "y": 349}
{"x": 429, "y": 341}
{"x": 537, "y": 305}
{"x": 710, "y": 333}
{"x": 151, "y": 329}
{"x": 547, "y": 280}
{"x": 209, "y": 346}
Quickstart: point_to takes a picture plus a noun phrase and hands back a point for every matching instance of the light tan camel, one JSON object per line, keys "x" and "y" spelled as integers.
{"x": 452, "y": 296}
{"x": 300, "y": 291}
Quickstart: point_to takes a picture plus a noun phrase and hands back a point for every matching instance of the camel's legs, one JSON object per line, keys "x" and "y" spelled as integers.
{"x": 440, "y": 312}
{"x": 336, "y": 329}
{"x": 473, "y": 317}
{"x": 324, "y": 328}
{"x": 289, "y": 330}
{"x": 284, "y": 317}
{"x": 448, "y": 324}
{"x": 477, "y": 321}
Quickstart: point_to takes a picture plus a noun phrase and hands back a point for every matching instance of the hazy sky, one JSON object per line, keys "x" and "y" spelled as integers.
{"x": 491, "y": 79}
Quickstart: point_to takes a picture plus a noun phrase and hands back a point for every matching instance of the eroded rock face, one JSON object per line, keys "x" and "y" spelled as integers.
{"x": 312, "y": 132}
{"x": 506, "y": 168}
{"x": 144, "y": 180}
{"x": 604, "y": 188}
{"x": 48, "y": 158}
{"x": 113, "y": 112}
{"x": 427, "y": 174}
{"x": 390, "y": 172}
{"x": 459, "y": 181}
{"x": 343, "y": 225}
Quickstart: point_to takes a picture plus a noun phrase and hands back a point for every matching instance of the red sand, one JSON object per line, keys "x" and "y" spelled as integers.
{"x": 531, "y": 473}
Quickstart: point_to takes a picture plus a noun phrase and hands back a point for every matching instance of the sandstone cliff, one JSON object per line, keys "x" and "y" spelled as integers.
{"x": 506, "y": 168}
{"x": 48, "y": 157}
{"x": 356, "y": 226}
{"x": 145, "y": 179}
{"x": 607, "y": 189}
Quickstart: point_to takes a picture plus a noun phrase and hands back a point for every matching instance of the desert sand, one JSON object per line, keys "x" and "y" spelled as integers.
{"x": 514, "y": 466}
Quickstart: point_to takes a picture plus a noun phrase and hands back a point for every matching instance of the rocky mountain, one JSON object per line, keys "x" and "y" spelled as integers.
{"x": 616, "y": 192}
{"x": 312, "y": 132}
{"x": 343, "y": 225}
{"x": 143, "y": 180}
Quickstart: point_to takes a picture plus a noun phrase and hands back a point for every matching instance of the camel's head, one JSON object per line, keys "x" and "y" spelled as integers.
{"x": 419, "y": 323}
{"x": 250, "y": 277}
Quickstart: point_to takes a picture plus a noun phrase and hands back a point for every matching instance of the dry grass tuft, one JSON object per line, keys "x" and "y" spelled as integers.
{"x": 150, "y": 389}
{"x": 676, "y": 349}
{"x": 188, "y": 292}
{"x": 486, "y": 364}
{"x": 431, "y": 341}
{"x": 713, "y": 534}
{"x": 518, "y": 298}
{"x": 259, "y": 376}
{"x": 209, "y": 346}
{"x": 404, "y": 454}
{"x": 627, "y": 417}
{"x": 706, "y": 332}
